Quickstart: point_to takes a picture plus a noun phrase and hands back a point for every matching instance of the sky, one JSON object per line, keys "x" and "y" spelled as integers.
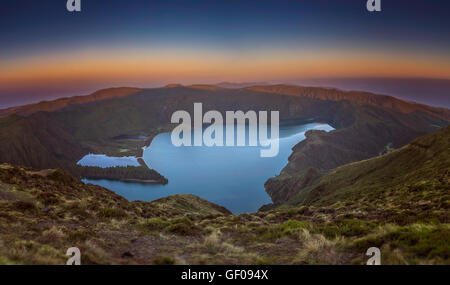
{"x": 48, "y": 52}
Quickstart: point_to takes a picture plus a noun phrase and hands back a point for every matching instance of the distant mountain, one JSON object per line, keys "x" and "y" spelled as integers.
{"x": 433, "y": 92}
{"x": 353, "y": 96}
{"x": 290, "y": 90}
{"x": 64, "y": 102}
{"x": 237, "y": 85}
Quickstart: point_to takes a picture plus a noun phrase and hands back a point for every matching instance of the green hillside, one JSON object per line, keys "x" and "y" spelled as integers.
{"x": 417, "y": 172}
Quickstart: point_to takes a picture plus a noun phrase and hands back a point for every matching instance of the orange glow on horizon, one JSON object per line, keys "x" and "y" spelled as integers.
{"x": 143, "y": 65}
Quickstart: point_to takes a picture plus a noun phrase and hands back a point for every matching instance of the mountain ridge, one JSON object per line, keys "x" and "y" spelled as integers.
{"x": 284, "y": 89}
{"x": 355, "y": 96}
{"x": 60, "y": 103}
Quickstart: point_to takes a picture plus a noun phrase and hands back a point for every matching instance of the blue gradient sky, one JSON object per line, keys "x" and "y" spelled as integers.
{"x": 47, "y": 51}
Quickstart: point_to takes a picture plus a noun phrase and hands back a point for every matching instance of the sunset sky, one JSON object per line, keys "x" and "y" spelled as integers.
{"x": 46, "y": 51}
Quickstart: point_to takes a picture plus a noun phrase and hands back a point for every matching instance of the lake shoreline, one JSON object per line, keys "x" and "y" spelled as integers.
{"x": 130, "y": 180}
{"x": 139, "y": 174}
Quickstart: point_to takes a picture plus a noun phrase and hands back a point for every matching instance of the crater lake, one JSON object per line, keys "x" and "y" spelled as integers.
{"x": 232, "y": 177}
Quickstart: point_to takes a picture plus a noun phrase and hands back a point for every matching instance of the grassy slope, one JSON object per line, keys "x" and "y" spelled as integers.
{"x": 398, "y": 202}
{"x": 42, "y": 213}
{"x": 418, "y": 173}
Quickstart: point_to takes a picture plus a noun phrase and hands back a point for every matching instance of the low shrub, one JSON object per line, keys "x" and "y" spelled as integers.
{"x": 155, "y": 224}
{"x": 164, "y": 260}
{"x": 183, "y": 226}
{"x": 112, "y": 213}
{"x": 346, "y": 227}
{"x": 23, "y": 206}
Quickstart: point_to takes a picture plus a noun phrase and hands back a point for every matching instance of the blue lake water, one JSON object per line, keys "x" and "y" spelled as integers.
{"x": 102, "y": 160}
{"x": 232, "y": 177}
